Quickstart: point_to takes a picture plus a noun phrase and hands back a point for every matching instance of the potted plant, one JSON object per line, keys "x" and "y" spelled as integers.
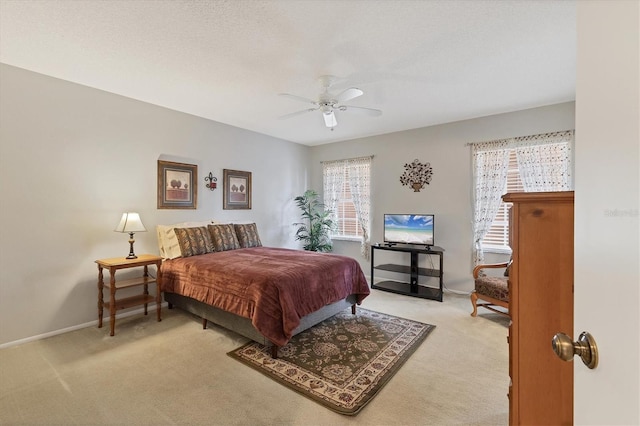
{"x": 317, "y": 223}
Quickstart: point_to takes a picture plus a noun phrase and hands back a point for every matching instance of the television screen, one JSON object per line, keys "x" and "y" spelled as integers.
{"x": 409, "y": 229}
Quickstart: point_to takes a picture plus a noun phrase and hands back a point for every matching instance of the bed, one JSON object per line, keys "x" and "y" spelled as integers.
{"x": 266, "y": 294}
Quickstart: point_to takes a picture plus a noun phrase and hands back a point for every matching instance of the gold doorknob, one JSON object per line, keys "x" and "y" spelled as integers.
{"x": 585, "y": 347}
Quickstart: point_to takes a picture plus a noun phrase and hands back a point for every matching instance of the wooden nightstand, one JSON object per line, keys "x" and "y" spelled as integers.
{"x": 115, "y": 263}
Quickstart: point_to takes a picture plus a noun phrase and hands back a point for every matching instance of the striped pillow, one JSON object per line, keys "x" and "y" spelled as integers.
{"x": 248, "y": 235}
{"x": 194, "y": 241}
{"x": 224, "y": 237}
{"x": 167, "y": 240}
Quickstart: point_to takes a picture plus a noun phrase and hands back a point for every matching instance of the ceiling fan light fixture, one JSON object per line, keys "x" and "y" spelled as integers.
{"x": 330, "y": 119}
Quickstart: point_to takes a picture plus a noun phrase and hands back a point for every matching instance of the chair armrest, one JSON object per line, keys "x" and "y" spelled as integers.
{"x": 477, "y": 269}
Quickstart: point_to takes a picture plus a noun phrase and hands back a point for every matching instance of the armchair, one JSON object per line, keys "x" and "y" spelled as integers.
{"x": 491, "y": 289}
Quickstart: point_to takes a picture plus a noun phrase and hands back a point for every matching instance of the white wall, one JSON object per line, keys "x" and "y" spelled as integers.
{"x": 448, "y": 195}
{"x": 74, "y": 158}
{"x": 607, "y": 218}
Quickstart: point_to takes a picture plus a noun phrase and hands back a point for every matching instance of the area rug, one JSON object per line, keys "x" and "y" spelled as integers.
{"x": 344, "y": 361}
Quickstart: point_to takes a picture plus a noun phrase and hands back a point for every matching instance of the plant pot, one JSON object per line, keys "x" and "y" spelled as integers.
{"x": 416, "y": 186}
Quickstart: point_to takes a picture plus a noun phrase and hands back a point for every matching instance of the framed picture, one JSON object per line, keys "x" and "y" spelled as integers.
{"x": 237, "y": 190}
{"x": 177, "y": 185}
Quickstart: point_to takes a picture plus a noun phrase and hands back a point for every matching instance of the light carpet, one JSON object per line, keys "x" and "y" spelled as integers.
{"x": 175, "y": 373}
{"x": 342, "y": 362}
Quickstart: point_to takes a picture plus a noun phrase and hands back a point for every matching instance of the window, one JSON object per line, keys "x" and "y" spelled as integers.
{"x": 537, "y": 163}
{"x": 497, "y": 237}
{"x": 347, "y": 219}
{"x": 347, "y": 193}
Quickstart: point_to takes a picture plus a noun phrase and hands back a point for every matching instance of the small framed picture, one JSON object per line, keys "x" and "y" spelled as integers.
{"x": 237, "y": 190}
{"x": 177, "y": 185}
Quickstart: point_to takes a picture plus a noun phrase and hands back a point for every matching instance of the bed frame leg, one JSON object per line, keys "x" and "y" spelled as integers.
{"x": 170, "y": 305}
{"x": 204, "y": 323}
{"x": 274, "y": 351}
{"x": 353, "y": 309}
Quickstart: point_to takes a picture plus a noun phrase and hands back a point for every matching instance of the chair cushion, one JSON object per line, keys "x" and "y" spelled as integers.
{"x": 496, "y": 287}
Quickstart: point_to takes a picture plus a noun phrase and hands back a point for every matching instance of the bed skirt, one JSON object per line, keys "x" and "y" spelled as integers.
{"x": 243, "y": 325}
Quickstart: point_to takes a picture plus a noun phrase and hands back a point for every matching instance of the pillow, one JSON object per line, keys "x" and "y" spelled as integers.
{"x": 247, "y": 235}
{"x": 194, "y": 241}
{"x": 167, "y": 240}
{"x": 224, "y": 237}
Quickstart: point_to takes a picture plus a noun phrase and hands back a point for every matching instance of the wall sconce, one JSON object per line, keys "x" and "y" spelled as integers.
{"x": 212, "y": 181}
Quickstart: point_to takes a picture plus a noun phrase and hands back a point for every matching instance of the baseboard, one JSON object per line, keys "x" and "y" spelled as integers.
{"x": 74, "y": 327}
{"x": 458, "y": 292}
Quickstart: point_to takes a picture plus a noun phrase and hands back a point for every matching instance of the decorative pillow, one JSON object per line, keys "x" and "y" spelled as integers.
{"x": 247, "y": 235}
{"x": 167, "y": 240}
{"x": 224, "y": 237}
{"x": 194, "y": 241}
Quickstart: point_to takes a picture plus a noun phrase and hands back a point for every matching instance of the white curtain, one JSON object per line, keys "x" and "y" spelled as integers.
{"x": 333, "y": 180}
{"x": 545, "y": 161}
{"x": 359, "y": 184}
{"x": 490, "y": 165}
{"x": 545, "y": 164}
{"x": 359, "y": 172}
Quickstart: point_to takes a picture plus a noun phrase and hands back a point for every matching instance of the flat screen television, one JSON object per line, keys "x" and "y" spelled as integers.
{"x": 409, "y": 229}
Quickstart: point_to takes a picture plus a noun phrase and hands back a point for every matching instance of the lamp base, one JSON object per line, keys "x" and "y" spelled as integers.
{"x": 132, "y": 255}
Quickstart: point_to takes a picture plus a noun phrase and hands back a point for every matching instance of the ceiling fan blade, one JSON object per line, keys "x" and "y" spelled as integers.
{"x": 298, "y": 98}
{"x": 293, "y": 114}
{"x": 348, "y": 94}
{"x": 369, "y": 111}
{"x": 329, "y": 119}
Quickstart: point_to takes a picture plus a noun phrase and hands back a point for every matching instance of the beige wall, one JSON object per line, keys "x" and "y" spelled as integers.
{"x": 448, "y": 195}
{"x": 74, "y": 158}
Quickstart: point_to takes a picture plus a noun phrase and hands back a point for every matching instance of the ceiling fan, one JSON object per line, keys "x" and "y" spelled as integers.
{"x": 328, "y": 104}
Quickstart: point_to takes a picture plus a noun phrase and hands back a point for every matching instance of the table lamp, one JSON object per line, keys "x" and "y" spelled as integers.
{"x": 130, "y": 222}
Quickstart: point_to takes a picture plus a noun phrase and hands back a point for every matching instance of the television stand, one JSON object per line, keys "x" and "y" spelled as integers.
{"x": 412, "y": 270}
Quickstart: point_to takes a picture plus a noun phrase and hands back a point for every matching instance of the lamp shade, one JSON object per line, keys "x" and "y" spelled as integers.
{"x": 130, "y": 222}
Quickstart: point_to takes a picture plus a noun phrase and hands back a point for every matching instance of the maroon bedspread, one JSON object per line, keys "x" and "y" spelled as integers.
{"x": 273, "y": 287}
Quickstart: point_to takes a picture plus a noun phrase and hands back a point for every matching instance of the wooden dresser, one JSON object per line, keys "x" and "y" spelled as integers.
{"x": 540, "y": 305}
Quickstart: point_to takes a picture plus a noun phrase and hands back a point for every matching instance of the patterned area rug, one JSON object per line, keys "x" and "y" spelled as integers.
{"x": 342, "y": 362}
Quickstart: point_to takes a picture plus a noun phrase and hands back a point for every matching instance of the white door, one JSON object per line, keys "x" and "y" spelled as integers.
{"x": 607, "y": 234}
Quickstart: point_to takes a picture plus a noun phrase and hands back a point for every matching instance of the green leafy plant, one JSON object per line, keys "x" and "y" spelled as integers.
{"x": 317, "y": 223}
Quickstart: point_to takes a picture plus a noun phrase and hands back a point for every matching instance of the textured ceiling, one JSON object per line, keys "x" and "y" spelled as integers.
{"x": 420, "y": 62}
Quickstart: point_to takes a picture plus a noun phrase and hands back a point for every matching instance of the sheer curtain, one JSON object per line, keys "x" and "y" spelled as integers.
{"x": 332, "y": 182}
{"x": 490, "y": 161}
{"x": 358, "y": 171}
{"x": 359, "y": 184}
{"x": 545, "y": 162}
